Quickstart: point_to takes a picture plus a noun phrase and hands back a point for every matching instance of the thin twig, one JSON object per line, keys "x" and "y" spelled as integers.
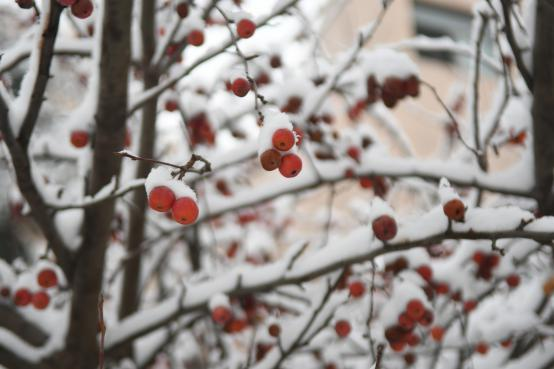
{"x": 516, "y": 50}
{"x": 452, "y": 118}
{"x": 483, "y": 22}
{"x": 257, "y": 95}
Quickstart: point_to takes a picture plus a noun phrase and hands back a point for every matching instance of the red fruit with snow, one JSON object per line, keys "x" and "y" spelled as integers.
{"x": 82, "y": 8}
{"x": 384, "y": 228}
{"x": 357, "y": 289}
{"x": 79, "y": 138}
{"x": 274, "y": 330}
{"x": 240, "y": 87}
{"x": 283, "y": 139}
{"x": 482, "y": 348}
{"x": 195, "y": 37}
{"x": 342, "y": 328}
{"x": 513, "y": 280}
{"x": 406, "y": 322}
{"x": 22, "y": 297}
{"x": 40, "y": 300}
{"x": 270, "y": 160}
{"x": 171, "y": 105}
{"x": 246, "y": 28}
{"x": 354, "y": 152}
{"x": 415, "y": 309}
{"x": 66, "y": 2}
{"x": 185, "y": 210}
{"x": 437, "y": 332}
{"x": 290, "y": 166}
{"x": 182, "y": 9}
{"x": 425, "y": 272}
{"x": 47, "y": 278}
{"x": 427, "y": 318}
{"x": 454, "y": 210}
{"x": 469, "y": 305}
{"x": 5, "y": 292}
{"x": 161, "y": 199}
{"x": 221, "y": 315}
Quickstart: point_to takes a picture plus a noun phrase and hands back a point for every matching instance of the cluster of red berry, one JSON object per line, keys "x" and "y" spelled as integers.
{"x": 402, "y": 333}
{"x": 46, "y": 278}
{"x": 245, "y": 27}
{"x": 390, "y": 92}
{"x": 486, "y": 262}
{"x": 289, "y": 164}
{"x": 184, "y": 210}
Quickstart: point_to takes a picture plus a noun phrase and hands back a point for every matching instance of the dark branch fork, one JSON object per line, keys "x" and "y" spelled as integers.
{"x": 181, "y": 169}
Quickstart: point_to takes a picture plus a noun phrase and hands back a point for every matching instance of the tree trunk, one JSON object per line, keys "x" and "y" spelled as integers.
{"x": 131, "y": 278}
{"x": 543, "y": 105}
{"x": 81, "y": 341}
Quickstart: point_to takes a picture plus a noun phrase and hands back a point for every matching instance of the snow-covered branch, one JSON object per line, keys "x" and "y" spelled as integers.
{"x": 359, "y": 246}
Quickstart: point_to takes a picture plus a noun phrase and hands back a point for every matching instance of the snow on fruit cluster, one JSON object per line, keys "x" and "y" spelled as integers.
{"x": 30, "y": 289}
{"x": 278, "y": 145}
{"x": 391, "y": 77}
{"x": 168, "y": 194}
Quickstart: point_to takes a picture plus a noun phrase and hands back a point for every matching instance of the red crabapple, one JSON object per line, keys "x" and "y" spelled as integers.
{"x": 426, "y": 319}
{"x": 437, "y": 332}
{"x": 79, "y": 138}
{"x": 161, "y": 199}
{"x": 182, "y": 9}
{"x": 469, "y": 305}
{"x": 290, "y": 166}
{"x": 409, "y": 358}
{"x": 442, "y": 288}
{"x": 82, "y": 8}
{"x": 397, "y": 346}
{"x": 47, "y": 278}
{"x": 357, "y": 289}
{"x": 195, "y": 37}
{"x": 342, "y": 327}
{"x": 454, "y": 210}
{"x": 425, "y": 272}
{"x": 240, "y": 87}
{"x": 221, "y": 315}
{"x": 513, "y": 280}
{"x": 5, "y": 292}
{"x": 354, "y": 153}
{"x": 40, "y": 300}
{"x": 415, "y": 309}
{"x": 478, "y": 257}
{"x": 406, "y": 322}
{"x": 66, "y": 2}
{"x": 171, "y": 105}
{"x": 384, "y": 228}
{"x": 185, "y": 210}
{"x": 246, "y": 28}
{"x": 274, "y": 330}
{"x": 275, "y": 61}
{"x": 283, "y": 139}
{"x": 482, "y": 348}
{"x": 22, "y": 297}
{"x": 270, "y": 159}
